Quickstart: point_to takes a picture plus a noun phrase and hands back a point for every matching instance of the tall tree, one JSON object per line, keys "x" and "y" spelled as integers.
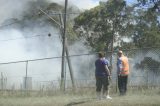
{"x": 99, "y": 24}
{"x": 147, "y": 26}
{"x": 141, "y": 26}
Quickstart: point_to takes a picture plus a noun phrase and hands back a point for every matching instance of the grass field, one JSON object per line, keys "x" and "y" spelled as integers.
{"x": 85, "y": 98}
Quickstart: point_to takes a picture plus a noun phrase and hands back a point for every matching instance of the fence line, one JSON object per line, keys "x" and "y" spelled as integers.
{"x": 144, "y": 65}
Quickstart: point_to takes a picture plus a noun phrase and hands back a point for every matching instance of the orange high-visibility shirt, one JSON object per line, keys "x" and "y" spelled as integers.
{"x": 125, "y": 65}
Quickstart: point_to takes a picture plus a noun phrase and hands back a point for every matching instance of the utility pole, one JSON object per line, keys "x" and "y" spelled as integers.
{"x": 62, "y": 26}
{"x": 64, "y": 48}
{"x": 67, "y": 54}
{"x": 71, "y": 69}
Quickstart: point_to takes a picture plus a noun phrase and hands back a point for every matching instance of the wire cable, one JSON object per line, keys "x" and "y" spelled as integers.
{"x": 48, "y": 35}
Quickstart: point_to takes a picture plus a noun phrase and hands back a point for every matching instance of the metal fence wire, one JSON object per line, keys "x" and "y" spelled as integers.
{"x": 144, "y": 66}
{"x": 44, "y": 74}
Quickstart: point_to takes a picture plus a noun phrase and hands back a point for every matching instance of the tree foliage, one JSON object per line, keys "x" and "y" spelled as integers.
{"x": 147, "y": 28}
{"x": 109, "y": 18}
{"x": 115, "y": 17}
{"x": 154, "y": 4}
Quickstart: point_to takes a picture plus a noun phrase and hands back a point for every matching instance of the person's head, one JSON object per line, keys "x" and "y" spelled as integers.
{"x": 120, "y": 53}
{"x": 101, "y": 54}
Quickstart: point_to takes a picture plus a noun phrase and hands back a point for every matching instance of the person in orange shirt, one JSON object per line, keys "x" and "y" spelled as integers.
{"x": 122, "y": 72}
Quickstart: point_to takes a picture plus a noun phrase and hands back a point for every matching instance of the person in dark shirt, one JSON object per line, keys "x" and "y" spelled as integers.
{"x": 102, "y": 74}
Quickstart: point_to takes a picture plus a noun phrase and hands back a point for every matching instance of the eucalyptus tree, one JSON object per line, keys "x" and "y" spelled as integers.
{"x": 108, "y": 22}
{"x": 114, "y": 20}
{"x": 147, "y": 24}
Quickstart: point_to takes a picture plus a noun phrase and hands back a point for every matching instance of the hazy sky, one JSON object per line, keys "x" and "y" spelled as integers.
{"x": 87, "y": 4}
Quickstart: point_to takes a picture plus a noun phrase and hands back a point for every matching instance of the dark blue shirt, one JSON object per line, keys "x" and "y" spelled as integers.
{"x": 100, "y": 67}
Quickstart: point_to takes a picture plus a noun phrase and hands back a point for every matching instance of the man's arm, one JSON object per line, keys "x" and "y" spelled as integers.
{"x": 108, "y": 71}
{"x": 119, "y": 66}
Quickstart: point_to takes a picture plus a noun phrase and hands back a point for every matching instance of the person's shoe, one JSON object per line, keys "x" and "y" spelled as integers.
{"x": 108, "y": 97}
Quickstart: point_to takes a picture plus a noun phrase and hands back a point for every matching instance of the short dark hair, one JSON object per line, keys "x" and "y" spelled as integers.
{"x": 101, "y": 54}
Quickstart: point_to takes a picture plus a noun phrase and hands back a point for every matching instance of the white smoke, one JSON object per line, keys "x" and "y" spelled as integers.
{"x": 83, "y": 4}
{"x": 12, "y": 9}
{"x": 27, "y": 39}
{"x": 21, "y": 48}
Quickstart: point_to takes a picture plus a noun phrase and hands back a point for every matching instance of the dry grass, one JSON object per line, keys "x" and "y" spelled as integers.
{"x": 134, "y": 100}
{"x": 84, "y": 98}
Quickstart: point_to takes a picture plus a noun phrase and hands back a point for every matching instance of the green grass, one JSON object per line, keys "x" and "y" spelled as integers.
{"x": 82, "y": 98}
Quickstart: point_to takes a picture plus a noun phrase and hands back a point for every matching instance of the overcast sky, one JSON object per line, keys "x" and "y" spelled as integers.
{"x": 87, "y": 4}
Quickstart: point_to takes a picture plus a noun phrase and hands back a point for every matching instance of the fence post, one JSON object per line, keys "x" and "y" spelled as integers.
{"x": 2, "y": 81}
{"x": 145, "y": 67}
{"x": 26, "y": 75}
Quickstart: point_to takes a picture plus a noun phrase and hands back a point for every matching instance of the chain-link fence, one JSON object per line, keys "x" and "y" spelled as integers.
{"x": 144, "y": 66}
{"x": 45, "y": 74}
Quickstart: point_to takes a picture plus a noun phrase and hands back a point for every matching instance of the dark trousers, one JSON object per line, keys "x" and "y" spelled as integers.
{"x": 122, "y": 84}
{"x": 102, "y": 82}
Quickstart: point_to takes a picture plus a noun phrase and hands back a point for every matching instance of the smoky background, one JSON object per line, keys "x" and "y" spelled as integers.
{"x": 24, "y": 37}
